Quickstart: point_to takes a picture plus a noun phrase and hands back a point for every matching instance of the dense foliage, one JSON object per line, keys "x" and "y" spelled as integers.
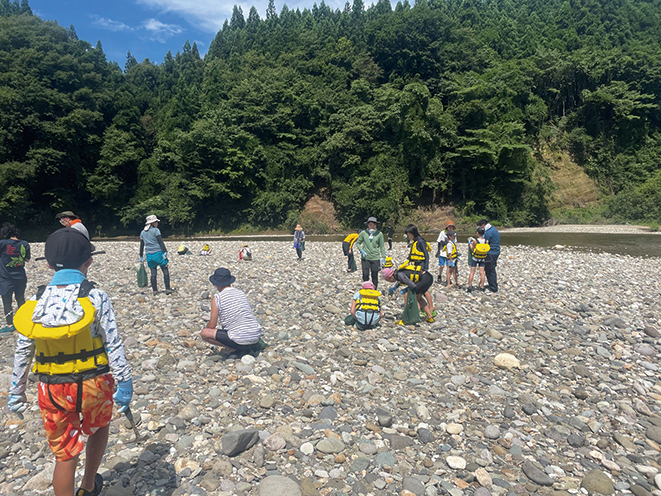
{"x": 379, "y": 109}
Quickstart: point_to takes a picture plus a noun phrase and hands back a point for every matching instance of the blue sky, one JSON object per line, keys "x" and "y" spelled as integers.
{"x": 149, "y": 28}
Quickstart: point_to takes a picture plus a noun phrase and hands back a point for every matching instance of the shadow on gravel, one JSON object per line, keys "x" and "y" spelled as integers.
{"x": 150, "y": 474}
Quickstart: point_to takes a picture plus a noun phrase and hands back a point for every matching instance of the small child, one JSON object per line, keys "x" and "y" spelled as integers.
{"x": 245, "y": 253}
{"x": 477, "y": 260}
{"x": 205, "y": 251}
{"x": 366, "y": 311}
{"x": 72, "y": 327}
{"x": 449, "y": 255}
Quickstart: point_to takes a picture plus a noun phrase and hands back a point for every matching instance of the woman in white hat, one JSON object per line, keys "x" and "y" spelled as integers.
{"x": 151, "y": 243}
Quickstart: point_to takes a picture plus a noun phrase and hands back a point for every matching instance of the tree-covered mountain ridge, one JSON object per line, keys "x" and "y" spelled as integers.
{"x": 497, "y": 108}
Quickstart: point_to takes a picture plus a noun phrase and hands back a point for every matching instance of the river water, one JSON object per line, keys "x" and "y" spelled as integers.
{"x": 638, "y": 245}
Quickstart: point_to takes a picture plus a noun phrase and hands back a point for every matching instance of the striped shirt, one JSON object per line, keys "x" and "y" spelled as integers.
{"x": 236, "y": 316}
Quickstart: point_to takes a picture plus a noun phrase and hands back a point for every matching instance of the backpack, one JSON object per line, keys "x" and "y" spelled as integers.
{"x": 480, "y": 251}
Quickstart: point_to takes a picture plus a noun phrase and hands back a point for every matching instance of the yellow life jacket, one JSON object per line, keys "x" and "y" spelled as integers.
{"x": 389, "y": 263}
{"x": 68, "y": 349}
{"x": 416, "y": 256}
{"x": 182, "y": 249}
{"x": 411, "y": 270}
{"x": 351, "y": 239}
{"x": 206, "y": 248}
{"x": 480, "y": 251}
{"x": 369, "y": 300}
{"x": 453, "y": 255}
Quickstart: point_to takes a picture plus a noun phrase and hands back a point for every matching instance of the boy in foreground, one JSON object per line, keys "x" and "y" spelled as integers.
{"x": 73, "y": 329}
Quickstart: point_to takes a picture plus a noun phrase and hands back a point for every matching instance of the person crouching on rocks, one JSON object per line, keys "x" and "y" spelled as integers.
{"x": 366, "y": 311}
{"x": 245, "y": 253}
{"x": 418, "y": 282}
{"x": 239, "y": 329}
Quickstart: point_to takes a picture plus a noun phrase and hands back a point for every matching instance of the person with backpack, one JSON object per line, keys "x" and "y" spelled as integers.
{"x": 492, "y": 237}
{"x": 14, "y": 254}
{"x": 71, "y": 329}
{"x": 372, "y": 251}
{"x": 478, "y": 249}
{"x": 151, "y": 243}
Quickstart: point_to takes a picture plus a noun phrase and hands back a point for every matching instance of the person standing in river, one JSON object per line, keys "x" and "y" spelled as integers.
{"x": 151, "y": 243}
{"x": 372, "y": 250}
{"x": 492, "y": 237}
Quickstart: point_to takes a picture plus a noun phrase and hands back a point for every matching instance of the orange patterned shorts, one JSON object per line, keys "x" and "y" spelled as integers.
{"x": 64, "y": 427}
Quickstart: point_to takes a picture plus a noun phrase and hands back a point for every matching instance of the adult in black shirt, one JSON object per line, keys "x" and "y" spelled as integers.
{"x": 14, "y": 253}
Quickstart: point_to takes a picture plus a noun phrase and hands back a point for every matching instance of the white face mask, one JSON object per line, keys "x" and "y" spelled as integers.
{"x": 371, "y": 231}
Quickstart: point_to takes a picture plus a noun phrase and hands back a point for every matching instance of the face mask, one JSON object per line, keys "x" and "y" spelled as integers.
{"x": 371, "y": 231}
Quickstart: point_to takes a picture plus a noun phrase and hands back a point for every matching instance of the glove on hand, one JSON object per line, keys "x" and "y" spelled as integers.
{"x": 383, "y": 262}
{"x": 123, "y": 395}
{"x": 362, "y": 253}
{"x": 142, "y": 259}
{"x": 165, "y": 255}
{"x": 18, "y": 403}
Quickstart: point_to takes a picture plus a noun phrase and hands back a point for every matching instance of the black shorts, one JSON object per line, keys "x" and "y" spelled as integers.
{"x": 425, "y": 282}
{"x": 223, "y": 338}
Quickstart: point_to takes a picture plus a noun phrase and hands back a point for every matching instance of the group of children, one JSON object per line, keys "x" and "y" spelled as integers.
{"x": 185, "y": 250}
{"x": 447, "y": 256}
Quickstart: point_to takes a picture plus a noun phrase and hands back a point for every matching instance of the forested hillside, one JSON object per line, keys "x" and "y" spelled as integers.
{"x": 380, "y": 110}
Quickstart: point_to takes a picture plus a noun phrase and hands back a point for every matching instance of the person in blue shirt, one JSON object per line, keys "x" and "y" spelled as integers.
{"x": 492, "y": 236}
{"x": 151, "y": 243}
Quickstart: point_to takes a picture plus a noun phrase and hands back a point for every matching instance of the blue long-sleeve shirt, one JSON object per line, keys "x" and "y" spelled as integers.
{"x": 492, "y": 236}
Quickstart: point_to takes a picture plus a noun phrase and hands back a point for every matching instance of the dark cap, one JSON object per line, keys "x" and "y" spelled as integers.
{"x": 66, "y": 213}
{"x": 67, "y": 248}
{"x": 222, "y": 277}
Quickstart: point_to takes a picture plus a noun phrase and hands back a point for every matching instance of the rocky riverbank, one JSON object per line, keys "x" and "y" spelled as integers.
{"x": 550, "y": 386}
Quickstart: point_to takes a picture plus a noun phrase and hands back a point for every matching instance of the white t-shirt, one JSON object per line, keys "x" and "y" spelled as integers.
{"x": 236, "y": 316}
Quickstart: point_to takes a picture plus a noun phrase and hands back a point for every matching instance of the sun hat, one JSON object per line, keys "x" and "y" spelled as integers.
{"x": 222, "y": 277}
{"x": 372, "y": 219}
{"x": 449, "y": 223}
{"x": 245, "y": 244}
{"x": 298, "y": 227}
{"x": 368, "y": 285}
{"x": 387, "y": 272}
{"x": 66, "y": 213}
{"x": 67, "y": 248}
{"x": 150, "y": 220}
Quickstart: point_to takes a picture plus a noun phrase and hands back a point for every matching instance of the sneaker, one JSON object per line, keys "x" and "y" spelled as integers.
{"x": 470, "y": 289}
{"x": 169, "y": 291}
{"x": 154, "y": 293}
{"x": 482, "y": 289}
{"x": 430, "y": 320}
{"x": 401, "y": 322}
{"x": 98, "y": 485}
{"x": 7, "y": 329}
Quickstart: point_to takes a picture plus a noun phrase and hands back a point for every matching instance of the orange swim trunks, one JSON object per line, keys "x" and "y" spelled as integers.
{"x": 64, "y": 426}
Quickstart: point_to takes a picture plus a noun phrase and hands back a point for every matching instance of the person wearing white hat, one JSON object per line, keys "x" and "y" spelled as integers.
{"x": 152, "y": 245}
{"x": 372, "y": 250}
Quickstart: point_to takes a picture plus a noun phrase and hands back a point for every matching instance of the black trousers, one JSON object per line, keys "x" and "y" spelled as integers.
{"x": 490, "y": 271}
{"x": 19, "y": 293}
{"x": 371, "y": 267}
{"x": 390, "y": 243}
{"x": 166, "y": 277}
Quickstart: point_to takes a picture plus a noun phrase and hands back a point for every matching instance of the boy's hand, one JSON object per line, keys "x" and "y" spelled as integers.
{"x": 123, "y": 395}
{"x": 18, "y": 403}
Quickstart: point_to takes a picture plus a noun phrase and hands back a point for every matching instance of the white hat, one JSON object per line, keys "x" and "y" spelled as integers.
{"x": 150, "y": 220}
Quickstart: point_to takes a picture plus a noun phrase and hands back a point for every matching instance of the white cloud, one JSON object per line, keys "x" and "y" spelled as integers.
{"x": 160, "y": 31}
{"x": 109, "y": 24}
